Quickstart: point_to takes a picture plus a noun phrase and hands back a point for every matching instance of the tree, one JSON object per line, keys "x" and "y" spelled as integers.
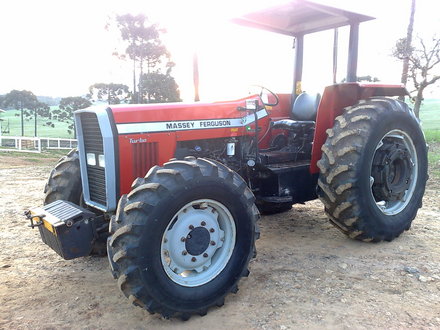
{"x": 21, "y": 100}
{"x": 65, "y": 112}
{"x": 111, "y": 93}
{"x": 40, "y": 108}
{"x": 423, "y": 59}
{"x": 160, "y": 88}
{"x": 144, "y": 47}
{"x": 408, "y": 42}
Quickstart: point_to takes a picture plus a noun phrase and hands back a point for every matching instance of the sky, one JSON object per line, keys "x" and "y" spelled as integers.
{"x": 59, "y": 48}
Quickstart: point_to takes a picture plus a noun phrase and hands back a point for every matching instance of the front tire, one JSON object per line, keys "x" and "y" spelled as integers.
{"x": 183, "y": 237}
{"x": 373, "y": 170}
{"x": 64, "y": 183}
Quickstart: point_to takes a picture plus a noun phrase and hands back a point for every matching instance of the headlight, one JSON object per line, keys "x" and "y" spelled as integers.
{"x": 91, "y": 159}
{"x": 101, "y": 160}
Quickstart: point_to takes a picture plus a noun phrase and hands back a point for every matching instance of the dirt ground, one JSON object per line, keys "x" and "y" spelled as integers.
{"x": 306, "y": 275}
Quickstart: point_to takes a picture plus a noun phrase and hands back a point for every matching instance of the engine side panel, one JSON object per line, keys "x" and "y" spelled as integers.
{"x": 148, "y": 134}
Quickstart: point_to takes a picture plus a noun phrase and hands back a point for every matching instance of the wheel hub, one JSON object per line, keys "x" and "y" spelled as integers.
{"x": 392, "y": 170}
{"x": 197, "y": 241}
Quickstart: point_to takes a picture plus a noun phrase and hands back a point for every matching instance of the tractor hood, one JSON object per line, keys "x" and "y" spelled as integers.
{"x": 166, "y": 117}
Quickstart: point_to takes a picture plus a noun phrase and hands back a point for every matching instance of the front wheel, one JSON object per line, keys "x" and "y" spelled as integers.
{"x": 183, "y": 237}
{"x": 373, "y": 170}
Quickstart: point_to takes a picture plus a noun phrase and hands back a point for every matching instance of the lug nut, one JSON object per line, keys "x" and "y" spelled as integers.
{"x": 191, "y": 227}
{"x": 205, "y": 255}
{"x": 212, "y": 243}
{"x": 182, "y": 239}
{"x": 203, "y": 223}
{"x": 193, "y": 259}
{"x": 212, "y": 230}
{"x": 184, "y": 253}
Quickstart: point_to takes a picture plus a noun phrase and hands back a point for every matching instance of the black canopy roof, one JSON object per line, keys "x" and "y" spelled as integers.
{"x": 300, "y": 17}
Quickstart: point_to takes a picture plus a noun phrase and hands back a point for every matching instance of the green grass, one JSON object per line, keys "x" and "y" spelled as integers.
{"x": 59, "y": 131}
{"x": 432, "y": 135}
{"x": 430, "y": 114}
{"x": 430, "y": 117}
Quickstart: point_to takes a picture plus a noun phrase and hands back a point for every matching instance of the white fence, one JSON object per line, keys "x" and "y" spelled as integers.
{"x": 34, "y": 144}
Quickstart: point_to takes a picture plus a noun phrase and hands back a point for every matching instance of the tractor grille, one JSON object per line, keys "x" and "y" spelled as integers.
{"x": 93, "y": 144}
{"x": 145, "y": 156}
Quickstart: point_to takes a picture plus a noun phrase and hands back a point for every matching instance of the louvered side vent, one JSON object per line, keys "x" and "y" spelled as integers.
{"x": 93, "y": 145}
{"x": 145, "y": 156}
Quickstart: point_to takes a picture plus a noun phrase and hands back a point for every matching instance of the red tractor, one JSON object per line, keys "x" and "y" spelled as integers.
{"x": 173, "y": 191}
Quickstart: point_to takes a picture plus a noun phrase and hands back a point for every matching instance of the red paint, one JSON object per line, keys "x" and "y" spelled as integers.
{"x": 184, "y": 112}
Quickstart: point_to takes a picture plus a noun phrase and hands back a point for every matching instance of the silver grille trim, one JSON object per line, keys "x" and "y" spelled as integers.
{"x": 109, "y": 157}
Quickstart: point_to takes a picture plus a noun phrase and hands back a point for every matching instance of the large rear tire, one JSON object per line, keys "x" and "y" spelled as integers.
{"x": 183, "y": 237}
{"x": 373, "y": 170}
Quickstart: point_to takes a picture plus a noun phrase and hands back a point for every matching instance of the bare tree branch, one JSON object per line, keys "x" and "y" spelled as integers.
{"x": 423, "y": 59}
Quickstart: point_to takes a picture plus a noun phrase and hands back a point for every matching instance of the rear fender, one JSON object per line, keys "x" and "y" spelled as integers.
{"x": 335, "y": 99}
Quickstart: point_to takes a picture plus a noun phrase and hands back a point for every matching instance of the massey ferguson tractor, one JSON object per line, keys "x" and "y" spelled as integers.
{"x": 173, "y": 192}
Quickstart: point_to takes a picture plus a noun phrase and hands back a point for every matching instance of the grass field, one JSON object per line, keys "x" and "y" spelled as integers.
{"x": 13, "y": 118}
{"x": 430, "y": 114}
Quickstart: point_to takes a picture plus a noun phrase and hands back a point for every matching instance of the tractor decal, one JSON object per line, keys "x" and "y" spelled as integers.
{"x": 165, "y": 126}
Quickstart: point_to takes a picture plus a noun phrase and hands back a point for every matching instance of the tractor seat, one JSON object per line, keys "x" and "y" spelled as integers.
{"x": 303, "y": 113}
{"x": 305, "y": 107}
{"x": 292, "y": 125}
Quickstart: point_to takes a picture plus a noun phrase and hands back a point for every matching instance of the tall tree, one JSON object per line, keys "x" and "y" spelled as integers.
{"x": 65, "y": 112}
{"x": 21, "y": 100}
{"x": 111, "y": 93}
{"x": 423, "y": 65}
{"x": 160, "y": 88}
{"x": 144, "y": 48}
{"x": 40, "y": 109}
{"x": 408, "y": 42}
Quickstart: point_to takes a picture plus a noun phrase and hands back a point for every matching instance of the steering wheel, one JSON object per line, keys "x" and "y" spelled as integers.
{"x": 265, "y": 98}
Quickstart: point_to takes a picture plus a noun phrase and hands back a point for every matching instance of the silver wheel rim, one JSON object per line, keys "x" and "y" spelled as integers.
{"x": 393, "y": 207}
{"x": 198, "y": 242}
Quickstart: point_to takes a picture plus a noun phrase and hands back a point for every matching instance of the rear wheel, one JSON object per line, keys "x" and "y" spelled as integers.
{"x": 183, "y": 237}
{"x": 373, "y": 170}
